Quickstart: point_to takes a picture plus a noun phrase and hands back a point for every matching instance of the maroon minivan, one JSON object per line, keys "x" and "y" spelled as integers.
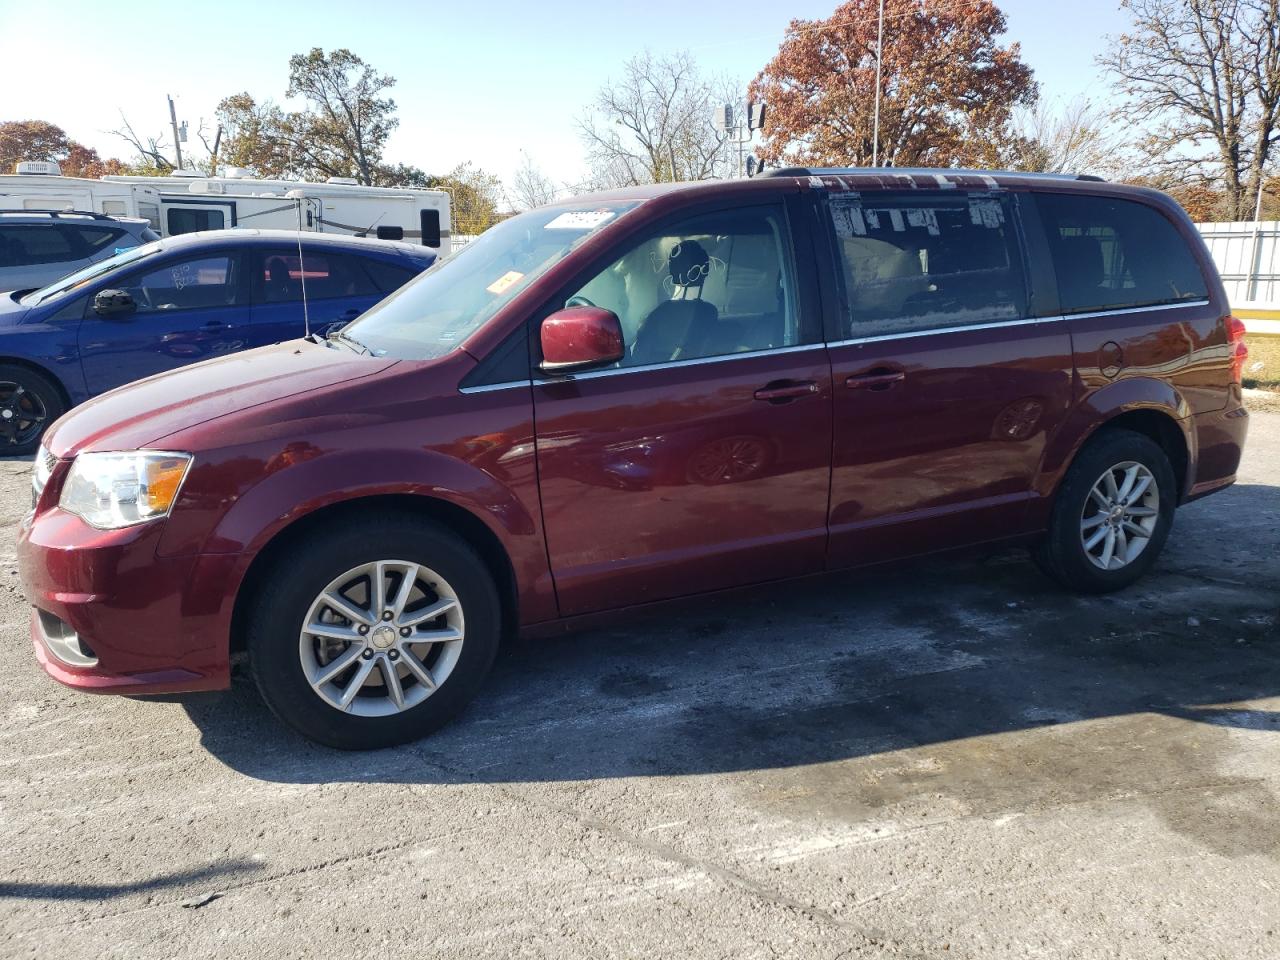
{"x": 631, "y": 397}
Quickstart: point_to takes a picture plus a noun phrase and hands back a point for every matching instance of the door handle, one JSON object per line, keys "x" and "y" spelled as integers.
{"x": 878, "y": 379}
{"x": 216, "y": 326}
{"x": 349, "y": 314}
{"x": 782, "y": 391}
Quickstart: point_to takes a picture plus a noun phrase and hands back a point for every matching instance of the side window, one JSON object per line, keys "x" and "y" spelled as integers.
{"x": 924, "y": 261}
{"x": 717, "y": 284}
{"x": 1114, "y": 254}
{"x": 387, "y": 276}
{"x": 22, "y": 246}
{"x": 186, "y": 285}
{"x": 328, "y": 275}
{"x": 190, "y": 221}
{"x": 98, "y": 239}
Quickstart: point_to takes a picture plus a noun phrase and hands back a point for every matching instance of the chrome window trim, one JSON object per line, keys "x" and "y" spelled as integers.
{"x": 937, "y": 331}
{"x": 691, "y": 362}
{"x": 1155, "y": 306}
{"x": 488, "y": 387}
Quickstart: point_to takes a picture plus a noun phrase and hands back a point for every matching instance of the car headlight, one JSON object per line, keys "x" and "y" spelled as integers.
{"x": 41, "y": 472}
{"x": 112, "y": 490}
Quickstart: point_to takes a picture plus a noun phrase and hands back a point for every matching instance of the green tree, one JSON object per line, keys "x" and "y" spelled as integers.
{"x": 41, "y": 140}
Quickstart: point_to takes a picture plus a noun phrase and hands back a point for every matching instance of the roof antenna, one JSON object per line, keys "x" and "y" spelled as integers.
{"x": 299, "y": 198}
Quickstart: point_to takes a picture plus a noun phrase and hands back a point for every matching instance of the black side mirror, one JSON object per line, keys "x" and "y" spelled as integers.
{"x": 113, "y": 304}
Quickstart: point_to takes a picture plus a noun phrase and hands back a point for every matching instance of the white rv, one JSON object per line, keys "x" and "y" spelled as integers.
{"x": 188, "y": 201}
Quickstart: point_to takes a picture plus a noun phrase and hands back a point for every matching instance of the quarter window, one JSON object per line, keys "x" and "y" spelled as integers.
{"x": 915, "y": 262}
{"x": 1116, "y": 254}
{"x": 714, "y": 285}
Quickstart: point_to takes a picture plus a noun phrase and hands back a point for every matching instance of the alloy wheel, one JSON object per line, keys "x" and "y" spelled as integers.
{"x": 22, "y": 414}
{"x": 381, "y": 638}
{"x": 1120, "y": 515}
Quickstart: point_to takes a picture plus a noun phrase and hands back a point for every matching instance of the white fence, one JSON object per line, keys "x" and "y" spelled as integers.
{"x": 1247, "y": 254}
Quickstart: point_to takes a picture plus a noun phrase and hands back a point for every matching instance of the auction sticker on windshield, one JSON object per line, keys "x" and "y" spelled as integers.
{"x": 505, "y": 281}
{"x": 579, "y": 220}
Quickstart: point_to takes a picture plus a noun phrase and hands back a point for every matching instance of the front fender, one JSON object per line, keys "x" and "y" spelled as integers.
{"x": 303, "y": 479}
{"x": 1100, "y": 407}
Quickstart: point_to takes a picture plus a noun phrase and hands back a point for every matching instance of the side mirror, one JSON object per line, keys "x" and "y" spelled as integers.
{"x": 579, "y": 338}
{"x": 113, "y": 304}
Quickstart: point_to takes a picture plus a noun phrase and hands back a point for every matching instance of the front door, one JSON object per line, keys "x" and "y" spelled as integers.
{"x": 946, "y": 388}
{"x": 702, "y": 460}
{"x": 186, "y": 309}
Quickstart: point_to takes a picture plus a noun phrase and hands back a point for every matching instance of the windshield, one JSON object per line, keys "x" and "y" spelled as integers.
{"x": 433, "y": 314}
{"x": 89, "y": 273}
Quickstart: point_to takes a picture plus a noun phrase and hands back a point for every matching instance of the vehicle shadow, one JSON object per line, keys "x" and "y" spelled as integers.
{"x": 934, "y": 655}
{"x": 106, "y": 891}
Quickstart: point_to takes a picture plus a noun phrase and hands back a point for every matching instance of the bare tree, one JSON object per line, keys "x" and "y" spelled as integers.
{"x": 1203, "y": 78}
{"x": 654, "y": 125}
{"x": 530, "y": 187}
{"x": 1072, "y": 137}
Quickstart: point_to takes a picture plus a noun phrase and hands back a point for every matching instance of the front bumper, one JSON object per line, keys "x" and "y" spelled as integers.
{"x": 118, "y": 618}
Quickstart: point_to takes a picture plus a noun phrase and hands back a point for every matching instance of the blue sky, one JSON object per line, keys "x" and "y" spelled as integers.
{"x": 478, "y": 81}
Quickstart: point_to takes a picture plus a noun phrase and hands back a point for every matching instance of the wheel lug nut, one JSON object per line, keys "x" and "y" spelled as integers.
{"x": 363, "y": 630}
{"x": 368, "y": 654}
{"x": 394, "y": 654}
{"x": 386, "y": 615}
{"x": 405, "y": 631}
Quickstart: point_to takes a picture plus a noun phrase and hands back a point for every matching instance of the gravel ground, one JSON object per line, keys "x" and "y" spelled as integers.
{"x": 947, "y": 759}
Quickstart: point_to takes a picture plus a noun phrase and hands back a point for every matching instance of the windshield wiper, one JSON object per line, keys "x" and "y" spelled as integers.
{"x": 350, "y": 340}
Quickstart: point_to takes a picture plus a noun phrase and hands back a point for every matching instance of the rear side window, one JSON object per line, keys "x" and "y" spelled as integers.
{"x": 22, "y": 246}
{"x": 99, "y": 238}
{"x": 328, "y": 276}
{"x": 917, "y": 261}
{"x": 1116, "y": 254}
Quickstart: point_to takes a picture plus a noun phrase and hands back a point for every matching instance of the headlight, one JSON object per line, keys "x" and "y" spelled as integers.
{"x": 111, "y": 490}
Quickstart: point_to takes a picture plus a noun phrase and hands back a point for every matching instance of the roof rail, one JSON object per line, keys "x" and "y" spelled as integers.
{"x": 927, "y": 171}
{"x": 60, "y": 213}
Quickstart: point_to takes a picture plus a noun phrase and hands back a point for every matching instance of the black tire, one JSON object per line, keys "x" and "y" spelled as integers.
{"x": 1062, "y": 555}
{"x": 296, "y": 578}
{"x": 29, "y": 403}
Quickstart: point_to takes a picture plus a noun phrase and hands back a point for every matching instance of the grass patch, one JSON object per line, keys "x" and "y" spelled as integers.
{"x": 1262, "y": 368}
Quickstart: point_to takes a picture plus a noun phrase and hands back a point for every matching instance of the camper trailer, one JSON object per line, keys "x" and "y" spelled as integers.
{"x": 187, "y": 201}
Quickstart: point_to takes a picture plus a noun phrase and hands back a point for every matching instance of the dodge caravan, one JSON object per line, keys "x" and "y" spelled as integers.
{"x": 632, "y": 397}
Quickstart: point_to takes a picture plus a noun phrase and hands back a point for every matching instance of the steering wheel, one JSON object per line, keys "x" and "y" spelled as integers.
{"x": 578, "y": 301}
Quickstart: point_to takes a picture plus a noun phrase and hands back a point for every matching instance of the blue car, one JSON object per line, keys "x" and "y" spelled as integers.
{"x": 176, "y": 301}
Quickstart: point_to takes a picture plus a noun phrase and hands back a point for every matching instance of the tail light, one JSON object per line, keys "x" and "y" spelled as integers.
{"x": 1239, "y": 349}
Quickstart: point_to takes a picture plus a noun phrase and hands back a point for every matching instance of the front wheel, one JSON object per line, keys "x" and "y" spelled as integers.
{"x": 29, "y": 403}
{"x": 1112, "y": 514}
{"x": 373, "y": 633}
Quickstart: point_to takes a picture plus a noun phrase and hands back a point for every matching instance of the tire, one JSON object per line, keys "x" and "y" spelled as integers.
{"x": 29, "y": 403}
{"x": 1064, "y": 554}
{"x": 285, "y": 661}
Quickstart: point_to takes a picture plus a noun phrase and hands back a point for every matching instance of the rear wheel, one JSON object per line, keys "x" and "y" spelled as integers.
{"x": 374, "y": 633}
{"x": 1112, "y": 514}
{"x": 29, "y": 402}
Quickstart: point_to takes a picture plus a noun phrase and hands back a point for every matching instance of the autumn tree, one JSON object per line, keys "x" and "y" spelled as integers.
{"x": 947, "y": 87}
{"x": 1202, "y": 77}
{"x": 341, "y": 132}
{"x": 41, "y": 140}
{"x": 654, "y": 124}
{"x": 474, "y": 196}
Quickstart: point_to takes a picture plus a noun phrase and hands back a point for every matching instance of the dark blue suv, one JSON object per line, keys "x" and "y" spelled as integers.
{"x": 176, "y": 301}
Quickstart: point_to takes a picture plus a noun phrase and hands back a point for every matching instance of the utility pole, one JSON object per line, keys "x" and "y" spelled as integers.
{"x": 875, "y": 135}
{"x": 173, "y": 119}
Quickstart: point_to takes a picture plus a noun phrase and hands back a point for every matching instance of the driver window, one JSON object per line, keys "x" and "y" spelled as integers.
{"x": 186, "y": 285}
{"x": 713, "y": 285}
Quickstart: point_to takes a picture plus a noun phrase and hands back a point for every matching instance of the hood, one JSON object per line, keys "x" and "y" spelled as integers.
{"x": 11, "y": 311}
{"x": 141, "y": 413}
